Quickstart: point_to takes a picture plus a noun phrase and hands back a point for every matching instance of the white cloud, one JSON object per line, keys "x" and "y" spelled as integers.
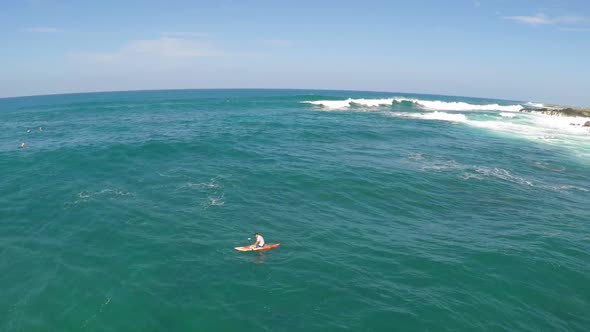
{"x": 44, "y": 29}
{"x": 538, "y": 19}
{"x": 542, "y": 19}
{"x": 160, "y": 50}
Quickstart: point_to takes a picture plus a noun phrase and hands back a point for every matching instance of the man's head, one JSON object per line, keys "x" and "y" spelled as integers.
{"x": 256, "y": 234}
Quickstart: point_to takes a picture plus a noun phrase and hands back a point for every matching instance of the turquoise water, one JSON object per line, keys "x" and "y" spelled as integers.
{"x": 122, "y": 212}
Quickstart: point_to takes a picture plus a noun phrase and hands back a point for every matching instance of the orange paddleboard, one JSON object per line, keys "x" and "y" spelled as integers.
{"x": 250, "y": 248}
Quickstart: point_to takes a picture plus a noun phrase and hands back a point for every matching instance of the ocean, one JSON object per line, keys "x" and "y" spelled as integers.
{"x": 394, "y": 211}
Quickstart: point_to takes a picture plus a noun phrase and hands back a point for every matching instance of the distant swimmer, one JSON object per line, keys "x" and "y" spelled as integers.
{"x": 23, "y": 145}
{"x": 259, "y": 241}
{"x": 40, "y": 128}
{"x": 28, "y": 131}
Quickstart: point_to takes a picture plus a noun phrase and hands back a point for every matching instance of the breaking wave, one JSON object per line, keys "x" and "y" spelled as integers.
{"x": 436, "y": 105}
{"x": 342, "y": 104}
{"x": 507, "y": 115}
{"x": 564, "y": 131}
{"x": 537, "y": 105}
{"x": 442, "y": 116}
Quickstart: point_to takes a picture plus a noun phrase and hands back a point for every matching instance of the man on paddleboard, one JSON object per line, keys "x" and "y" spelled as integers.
{"x": 259, "y": 241}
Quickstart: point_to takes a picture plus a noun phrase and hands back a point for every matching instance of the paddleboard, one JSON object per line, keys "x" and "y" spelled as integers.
{"x": 266, "y": 247}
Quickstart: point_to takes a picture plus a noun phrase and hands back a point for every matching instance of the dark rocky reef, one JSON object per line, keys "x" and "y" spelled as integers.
{"x": 560, "y": 112}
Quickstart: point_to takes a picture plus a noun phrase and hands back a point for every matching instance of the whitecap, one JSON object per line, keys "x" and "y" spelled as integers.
{"x": 428, "y": 104}
{"x": 114, "y": 192}
{"x": 468, "y": 172}
{"x": 331, "y": 104}
{"x": 482, "y": 172}
{"x": 426, "y": 163}
{"x": 214, "y": 201}
{"x": 445, "y": 165}
{"x": 444, "y": 116}
{"x": 460, "y": 106}
{"x": 344, "y": 104}
{"x": 507, "y": 115}
{"x": 372, "y": 102}
{"x": 415, "y": 156}
{"x": 563, "y": 123}
{"x": 548, "y": 166}
{"x": 203, "y": 185}
{"x": 537, "y": 105}
{"x": 545, "y": 128}
{"x": 566, "y": 188}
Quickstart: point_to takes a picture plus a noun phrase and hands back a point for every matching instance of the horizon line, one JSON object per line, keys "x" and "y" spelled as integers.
{"x": 275, "y": 89}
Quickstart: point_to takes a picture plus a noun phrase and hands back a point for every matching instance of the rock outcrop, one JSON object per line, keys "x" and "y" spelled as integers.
{"x": 558, "y": 111}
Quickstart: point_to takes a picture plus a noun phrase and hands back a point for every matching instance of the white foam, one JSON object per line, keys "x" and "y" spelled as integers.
{"x": 562, "y": 130}
{"x": 114, "y": 192}
{"x": 427, "y": 163}
{"x": 331, "y": 104}
{"x": 482, "y": 172}
{"x": 442, "y": 116}
{"x": 544, "y": 127}
{"x": 372, "y": 102}
{"x": 502, "y": 126}
{"x": 428, "y": 104}
{"x": 566, "y": 188}
{"x": 548, "y": 166}
{"x": 538, "y": 105}
{"x": 343, "y": 104}
{"x": 214, "y": 201}
{"x": 477, "y": 172}
{"x": 438, "y": 166}
{"x": 460, "y": 106}
{"x": 507, "y": 115}
{"x": 212, "y": 184}
{"x": 567, "y": 123}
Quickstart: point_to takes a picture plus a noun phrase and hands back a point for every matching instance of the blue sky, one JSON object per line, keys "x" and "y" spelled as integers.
{"x": 531, "y": 50}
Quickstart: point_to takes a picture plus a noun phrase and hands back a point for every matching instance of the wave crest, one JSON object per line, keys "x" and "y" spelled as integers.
{"x": 507, "y": 115}
{"x": 442, "y": 116}
{"x": 340, "y": 104}
{"x": 537, "y": 105}
{"x": 438, "y": 105}
{"x": 435, "y": 105}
